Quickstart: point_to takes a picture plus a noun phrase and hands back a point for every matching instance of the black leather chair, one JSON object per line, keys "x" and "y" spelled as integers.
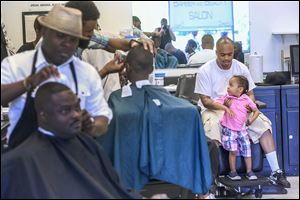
{"x": 185, "y": 88}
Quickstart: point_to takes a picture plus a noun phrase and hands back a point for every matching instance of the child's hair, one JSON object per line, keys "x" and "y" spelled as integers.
{"x": 243, "y": 82}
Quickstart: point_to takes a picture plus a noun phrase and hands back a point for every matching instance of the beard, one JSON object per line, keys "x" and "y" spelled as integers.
{"x": 83, "y": 44}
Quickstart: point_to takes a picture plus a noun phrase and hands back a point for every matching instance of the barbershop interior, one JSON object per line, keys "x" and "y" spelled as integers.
{"x": 150, "y": 99}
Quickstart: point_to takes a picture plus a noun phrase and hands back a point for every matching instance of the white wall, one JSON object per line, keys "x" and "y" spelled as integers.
{"x": 150, "y": 13}
{"x": 11, "y": 15}
{"x": 268, "y": 17}
{"x": 265, "y": 18}
{"x": 114, "y": 16}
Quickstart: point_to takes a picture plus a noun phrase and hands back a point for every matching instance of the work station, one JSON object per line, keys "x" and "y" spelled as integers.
{"x": 140, "y": 99}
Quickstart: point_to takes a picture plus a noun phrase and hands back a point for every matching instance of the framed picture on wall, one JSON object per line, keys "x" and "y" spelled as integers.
{"x": 27, "y": 25}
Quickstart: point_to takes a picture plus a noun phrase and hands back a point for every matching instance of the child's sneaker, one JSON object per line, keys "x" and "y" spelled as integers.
{"x": 251, "y": 176}
{"x": 234, "y": 176}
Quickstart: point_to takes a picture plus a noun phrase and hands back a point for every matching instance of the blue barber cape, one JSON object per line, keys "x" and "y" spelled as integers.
{"x": 154, "y": 135}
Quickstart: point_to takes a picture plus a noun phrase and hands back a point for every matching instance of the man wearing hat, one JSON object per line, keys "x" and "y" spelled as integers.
{"x": 90, "y": 15}
{"x": 22, "y": 73}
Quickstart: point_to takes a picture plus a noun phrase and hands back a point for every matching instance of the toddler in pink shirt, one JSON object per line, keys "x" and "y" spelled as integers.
{"x": 235, "y": 139}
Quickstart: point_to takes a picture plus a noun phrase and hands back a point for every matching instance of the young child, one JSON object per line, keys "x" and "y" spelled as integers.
{"x": 235, "y": 137}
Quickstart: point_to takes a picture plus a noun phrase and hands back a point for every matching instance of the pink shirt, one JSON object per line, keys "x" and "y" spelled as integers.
{"x": 238, "y": 106}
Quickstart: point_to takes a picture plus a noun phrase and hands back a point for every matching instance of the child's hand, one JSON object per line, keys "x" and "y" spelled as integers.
{"x": 249, "y": 122}
{"x": 249, "y": 109}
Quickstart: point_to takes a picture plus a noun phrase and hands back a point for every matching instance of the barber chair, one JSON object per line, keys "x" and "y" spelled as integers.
{"x": 219, "y": 156}
{"x": 185, "y": 88}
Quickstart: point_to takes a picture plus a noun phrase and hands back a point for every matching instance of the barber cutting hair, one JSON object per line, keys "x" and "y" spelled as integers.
{"x": 22, "y": 73}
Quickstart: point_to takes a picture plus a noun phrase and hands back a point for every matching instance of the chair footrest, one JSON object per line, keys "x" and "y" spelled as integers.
{"x": 244, "y": 182}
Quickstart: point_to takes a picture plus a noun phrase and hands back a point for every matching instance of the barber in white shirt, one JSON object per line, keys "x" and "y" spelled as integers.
{"x": 54, "y": 60}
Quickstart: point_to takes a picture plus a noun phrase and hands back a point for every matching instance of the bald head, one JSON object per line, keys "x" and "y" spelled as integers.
{"x": 224, "y": 53}
{"x": 223, "y": 41}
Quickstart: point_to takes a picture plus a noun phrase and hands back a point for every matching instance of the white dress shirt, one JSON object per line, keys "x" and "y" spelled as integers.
{"x": 141, "y": 83}
{"x": 98, "y": 58}
{"x": 90, "y": 91}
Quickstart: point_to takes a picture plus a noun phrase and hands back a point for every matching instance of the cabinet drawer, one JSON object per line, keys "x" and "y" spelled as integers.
{"x": 292, "y": 99}
{"x": 268, "y": 95}
{"x": 269, "y": 99}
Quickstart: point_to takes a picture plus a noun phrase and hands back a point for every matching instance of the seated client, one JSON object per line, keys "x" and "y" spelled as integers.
{"x": 155, "y": 135}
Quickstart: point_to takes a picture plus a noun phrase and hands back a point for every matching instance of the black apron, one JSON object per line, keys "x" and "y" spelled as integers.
{"x": 27, "y": 123}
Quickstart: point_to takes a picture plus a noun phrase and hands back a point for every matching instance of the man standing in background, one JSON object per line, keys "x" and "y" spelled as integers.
{"x": 166, "y": 33}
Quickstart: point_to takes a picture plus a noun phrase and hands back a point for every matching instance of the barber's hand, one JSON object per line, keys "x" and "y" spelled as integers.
{"x": 42, "y": 75}
{"x": 88, "y": 123}
{"x": 111, "y": 67}
{"x": 114, "y": 65}
{"x": 147, "y": 43}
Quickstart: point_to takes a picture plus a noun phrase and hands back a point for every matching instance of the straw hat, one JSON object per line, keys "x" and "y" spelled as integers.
{"x": 64, "y": 20}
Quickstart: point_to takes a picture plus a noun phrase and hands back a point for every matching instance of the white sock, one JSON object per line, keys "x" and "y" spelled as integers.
{"x": 273, "y": 162}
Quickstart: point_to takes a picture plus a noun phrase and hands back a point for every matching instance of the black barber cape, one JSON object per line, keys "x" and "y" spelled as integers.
{"x": 47, "y": 167}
